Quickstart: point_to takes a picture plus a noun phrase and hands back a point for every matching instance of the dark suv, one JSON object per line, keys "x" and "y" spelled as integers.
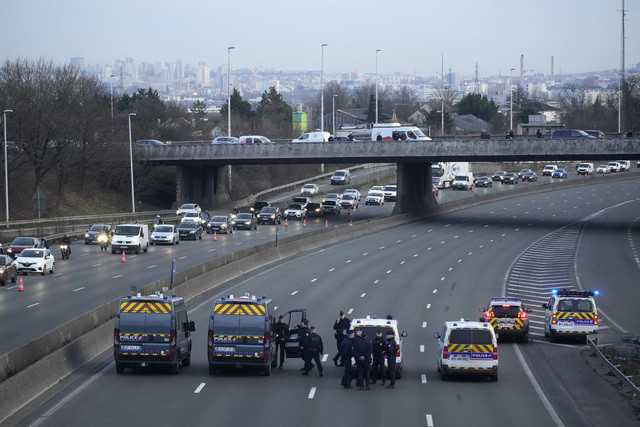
{"x": 508, "y": 317}
{"x": 270, "y": 215}
{"x": 257, "y": 207}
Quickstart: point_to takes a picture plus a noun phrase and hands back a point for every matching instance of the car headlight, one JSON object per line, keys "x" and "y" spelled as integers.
{"x": 192, "y": 232}
{"x": 1, "y": 271}
{"x": 177, "y": 212}
{"x": 86, "y": 235}
{"x": 248, "y": 222}
{"x": 223, "y": 225}
{"x": 273, "y": 216}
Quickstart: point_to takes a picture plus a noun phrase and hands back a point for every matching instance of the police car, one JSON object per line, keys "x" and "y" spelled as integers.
{"x": 508, "y": 317}
{"x": 570, "y": 313}
{"x": 371, "y": 324}
{"x": 467, "y": 348}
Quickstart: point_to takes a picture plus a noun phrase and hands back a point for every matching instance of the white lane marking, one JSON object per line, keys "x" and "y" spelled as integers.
{"x": 116, "y": 277}
{"x": 365, "y": 254}
{"x": 429, "y": 420}
{"x": 95, "y": 265}
{"x": 350, "y": 311}
{"x": 423, "y": 378}
{"x": 79, "y": 289}
{"x": 375, "y": 281}
{"x": 415, "y": 255}
{"x": 381, "y": 247}
{"x": 331, "y": 269}
{"x": 537, "y": 388}
{"x": 401, "y": 262}
{"x": 398, "y": 241}
{"x": 362, "y": 296}
{"x": 459, "y": 260}
{"x": 211, "y": 250}
{"x": 325, "y": 357}
{"x": 421, "y": 348}
{"x": 12, "y": 287}
{"x": 470, "y": 253}
{"x": 442, "y": 241}
{"x": 151, "y": 266}
{"x": 33, "y": 305}
{"x": 414, "y": 235}
{"x": 480, "y": 247}
{"x": 312, "y": 392}
{"x": 200, "y": 387}
{"x": 239, "y": 243}
{"x": 424, "y": 324}
{"x": 441, "y": 279}
{"x": 182, "y": 257}
{"x": 388, "y": 271}
{"x": 430, "y": 230}
{"x": 314, "y": 279}
{"x": 429, "y": 248}
{"x": 57, "y": 274}
{"x": 450, "y": 268}
{"x": 348, "y": 261}
{"x": 294, "y": 292}
{"x": 428, "y": 305}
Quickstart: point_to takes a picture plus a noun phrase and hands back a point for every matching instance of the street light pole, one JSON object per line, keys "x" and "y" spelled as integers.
{"x": 133, "y": 199}
{"x": 6, "y": 170}
{"x": 334, "y": 114}
{"x": 322, "y": 88}
{"x": 377, "y": 50}
{"x": 511, "y": 101}
{"x": 111, "y": 84}
{"x": 229, "y": 89}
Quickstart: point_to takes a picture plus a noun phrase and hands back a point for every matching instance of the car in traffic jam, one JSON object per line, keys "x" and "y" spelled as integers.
{"x": 190, "y": 230}
{"x": 295, "y": 211}
{"x": 510, "y": 178}
{"x": 559, "y": 173}
{"x": 270, "y": 215}
{"x": 315, "y": 209}
{"x": 220, "y": 224}
{"x": 484, "y": 181}
{"x": 245, "y": 221}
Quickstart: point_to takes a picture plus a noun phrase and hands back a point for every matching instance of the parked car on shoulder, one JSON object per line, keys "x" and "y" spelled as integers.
{"x": 269, "y": 215}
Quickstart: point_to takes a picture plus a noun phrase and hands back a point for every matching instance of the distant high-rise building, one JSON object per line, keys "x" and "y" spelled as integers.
{"x": 203, "y": 79}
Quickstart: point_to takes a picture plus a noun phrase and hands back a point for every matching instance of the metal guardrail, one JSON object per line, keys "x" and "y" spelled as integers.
{"x": 619, "y": 374}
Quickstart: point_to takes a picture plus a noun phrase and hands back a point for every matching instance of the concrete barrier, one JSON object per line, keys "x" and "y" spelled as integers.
{"x": 32, "y": 369}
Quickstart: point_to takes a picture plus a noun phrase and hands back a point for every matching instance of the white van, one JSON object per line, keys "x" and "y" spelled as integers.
{"x": 625, "y": 165}
{"x": 396, "y": 132}
{"x": 313, "y": 137}
{"x": 462, "y": 181}
{"x": 130, "y": 237}
{"x": 585, "y": 169}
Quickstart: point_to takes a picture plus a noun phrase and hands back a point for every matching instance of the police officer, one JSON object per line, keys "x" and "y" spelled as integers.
{"x": 315, "y": 349}
{"x": 391, "y": 351}
{"x": 346, "y": 353}
{"x": 303, "y": 335}
{"x": 341, "y": 326}
{"x": 362, "y": 354}
{"x": 281, "y": 330}
{"x": 379, "y": 346}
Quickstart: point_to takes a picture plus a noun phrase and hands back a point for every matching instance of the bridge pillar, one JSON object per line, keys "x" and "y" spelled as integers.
{"x": 414, "y": 188}
{"x": 206, "y": 185}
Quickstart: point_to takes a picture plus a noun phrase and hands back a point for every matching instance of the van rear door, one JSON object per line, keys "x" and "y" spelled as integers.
{"x": 293, "y": 318}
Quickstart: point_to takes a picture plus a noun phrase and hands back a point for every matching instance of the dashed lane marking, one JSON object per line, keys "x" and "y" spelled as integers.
{"x": 33, "y": 305}
{"x": 332, "y": 269}
{"x": 182, "y": 257}
{"x": 428, "y": 305}
{"x": 79, "y": 289}
{"x": 312, "y": 392}
{"x": 314, "y": 279}
{"x": 362, "y": 296}
{"x": 381, "y": 247}
{"x": 199, "y": 389}
{"x": 348, "y": 261}
{"x": 375, "y": 281}
{"x": 151, "y": 266}
{"x": 117, "y": 277}
{"x": 365, "y": 254}
{"x": 424, "y": 324}
{"x": 421, "y": 348}
{"x": 435, "y": 290}
{"x": 423, "y": 378}
{"x": 350, "y": 311}
{"x": 325, "y": 357}
{"x": 96, "y": 265}
{"x": 388, "y": 271}
{"x": 429, "y": 420}
{"x": 294, "y": 292}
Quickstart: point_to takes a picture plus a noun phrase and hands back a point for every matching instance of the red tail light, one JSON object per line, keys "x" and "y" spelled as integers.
{"x": 172, "y": 340}
{"x": 488, "y": 314}
{"x": 398, "y": 350}
{"x": 116, "y": 337}
{"x": 495, "y": 352}
{"x": 522, "y": 315}
{"x": 267, "y": 343}
{"x": 553, "y": 319}
{"x": 445, "y": 352}
{"x": 595, "y": 320}
{"x": 210, "y": 341}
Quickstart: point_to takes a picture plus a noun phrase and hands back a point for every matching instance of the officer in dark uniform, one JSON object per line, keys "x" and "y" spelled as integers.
{"x": 362, "y": 354}
{"x": 341, "y": 326}
{"x": 281, "y": 330}
{"x": 315, "y": 349}
{"x": 303, "y": 335}
{"x": 346, "y": 353}
{"x": 391, "y": 351}
{"x": 379, "y": 346}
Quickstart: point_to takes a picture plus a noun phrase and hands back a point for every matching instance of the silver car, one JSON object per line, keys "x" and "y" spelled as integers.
{"x": 164, "y": 234}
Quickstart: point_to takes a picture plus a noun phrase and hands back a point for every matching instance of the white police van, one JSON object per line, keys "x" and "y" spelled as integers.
{"x": 370, "y": 326}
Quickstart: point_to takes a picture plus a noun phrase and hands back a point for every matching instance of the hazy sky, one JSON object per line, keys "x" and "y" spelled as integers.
{"x": 583, "y": 35}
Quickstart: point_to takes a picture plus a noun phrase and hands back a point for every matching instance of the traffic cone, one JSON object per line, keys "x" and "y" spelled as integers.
{"x": 286, "y": 224}
{"x": 326, "y": 223}
{"x": 123, "y": 258}
{"x": 20, "y": 285}
{"x": 215, "y": 237}
{"x": 304, "y": 223}
{"x": 350, "y": 223}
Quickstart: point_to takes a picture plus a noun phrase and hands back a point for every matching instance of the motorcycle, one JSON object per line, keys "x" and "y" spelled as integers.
{"x": 64, "y": 251}
{"x": 103, "y": 241}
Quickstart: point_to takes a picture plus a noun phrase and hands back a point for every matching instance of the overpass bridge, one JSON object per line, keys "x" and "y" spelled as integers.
{"x": 203, "y": 171}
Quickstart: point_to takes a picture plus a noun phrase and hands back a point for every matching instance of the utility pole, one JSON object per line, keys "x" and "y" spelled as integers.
{"x": 442, "y": 109}
{"x": 622, "y": 80}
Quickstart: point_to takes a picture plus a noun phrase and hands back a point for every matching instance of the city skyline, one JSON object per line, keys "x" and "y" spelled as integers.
{"x": 282, "y": 34}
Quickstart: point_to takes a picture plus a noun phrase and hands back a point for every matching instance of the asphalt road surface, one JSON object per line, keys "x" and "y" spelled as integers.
{"x": 424, "y": 273}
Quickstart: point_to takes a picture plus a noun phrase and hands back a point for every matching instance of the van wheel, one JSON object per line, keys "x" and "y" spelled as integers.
{"x": 267, "y": 370}
{"x": 13, "y": 279}
{"x": 212, "y": 369}
{"x": 146, "y": 248}
{"x": 113, "y": 252}
{"x": 174, "y": 368}
{"x": 187, "y": 361}
{"x": 138, "y": 250}
{"x": 119, "y": 368}
{"x": 552, "y": 336}
{"x": 494, "y": 378}
{"x": 443, "y": 376}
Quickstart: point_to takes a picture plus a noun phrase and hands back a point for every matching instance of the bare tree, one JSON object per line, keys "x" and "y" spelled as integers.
{"x": 404, "y": 102}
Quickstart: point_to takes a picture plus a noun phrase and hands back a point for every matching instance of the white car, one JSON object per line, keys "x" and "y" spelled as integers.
{"x": 194, "y": 217}
{"x": 602, "y": 169}
{"x": 374, "y": 198}
{"x": 376, "y": 188}
{"x": 35, "y": 260}
{"x": 188, "y": 207}
{"x": 295, "y": 211}
{"x": 225, "y": 140}
{"x": 349, "y": 201}
{"x": 254, "y": 139}
{"x": 390, "y": 192}
{"x": 614, "y": 167}
{"x": 334, "y": 197}
{"x": 549, "y": 170}
{"x": 309, "y": 190}
{"x": 164, "y": 234}
{"x": 353, "y": 191}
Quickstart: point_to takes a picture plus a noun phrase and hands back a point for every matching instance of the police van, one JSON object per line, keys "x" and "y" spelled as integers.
{"x": 397, "y": 132}
{"x": 241, "y": 333}
{"x": 152, "y": 330}
{"x": 508, "y": 317}
{"x": 370, "y": 326}
{"x": 467, "y": 348}
{"x": 570, "y": 313}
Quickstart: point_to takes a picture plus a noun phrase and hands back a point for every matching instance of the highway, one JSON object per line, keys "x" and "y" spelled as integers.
{"x": 424, "y": 273}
